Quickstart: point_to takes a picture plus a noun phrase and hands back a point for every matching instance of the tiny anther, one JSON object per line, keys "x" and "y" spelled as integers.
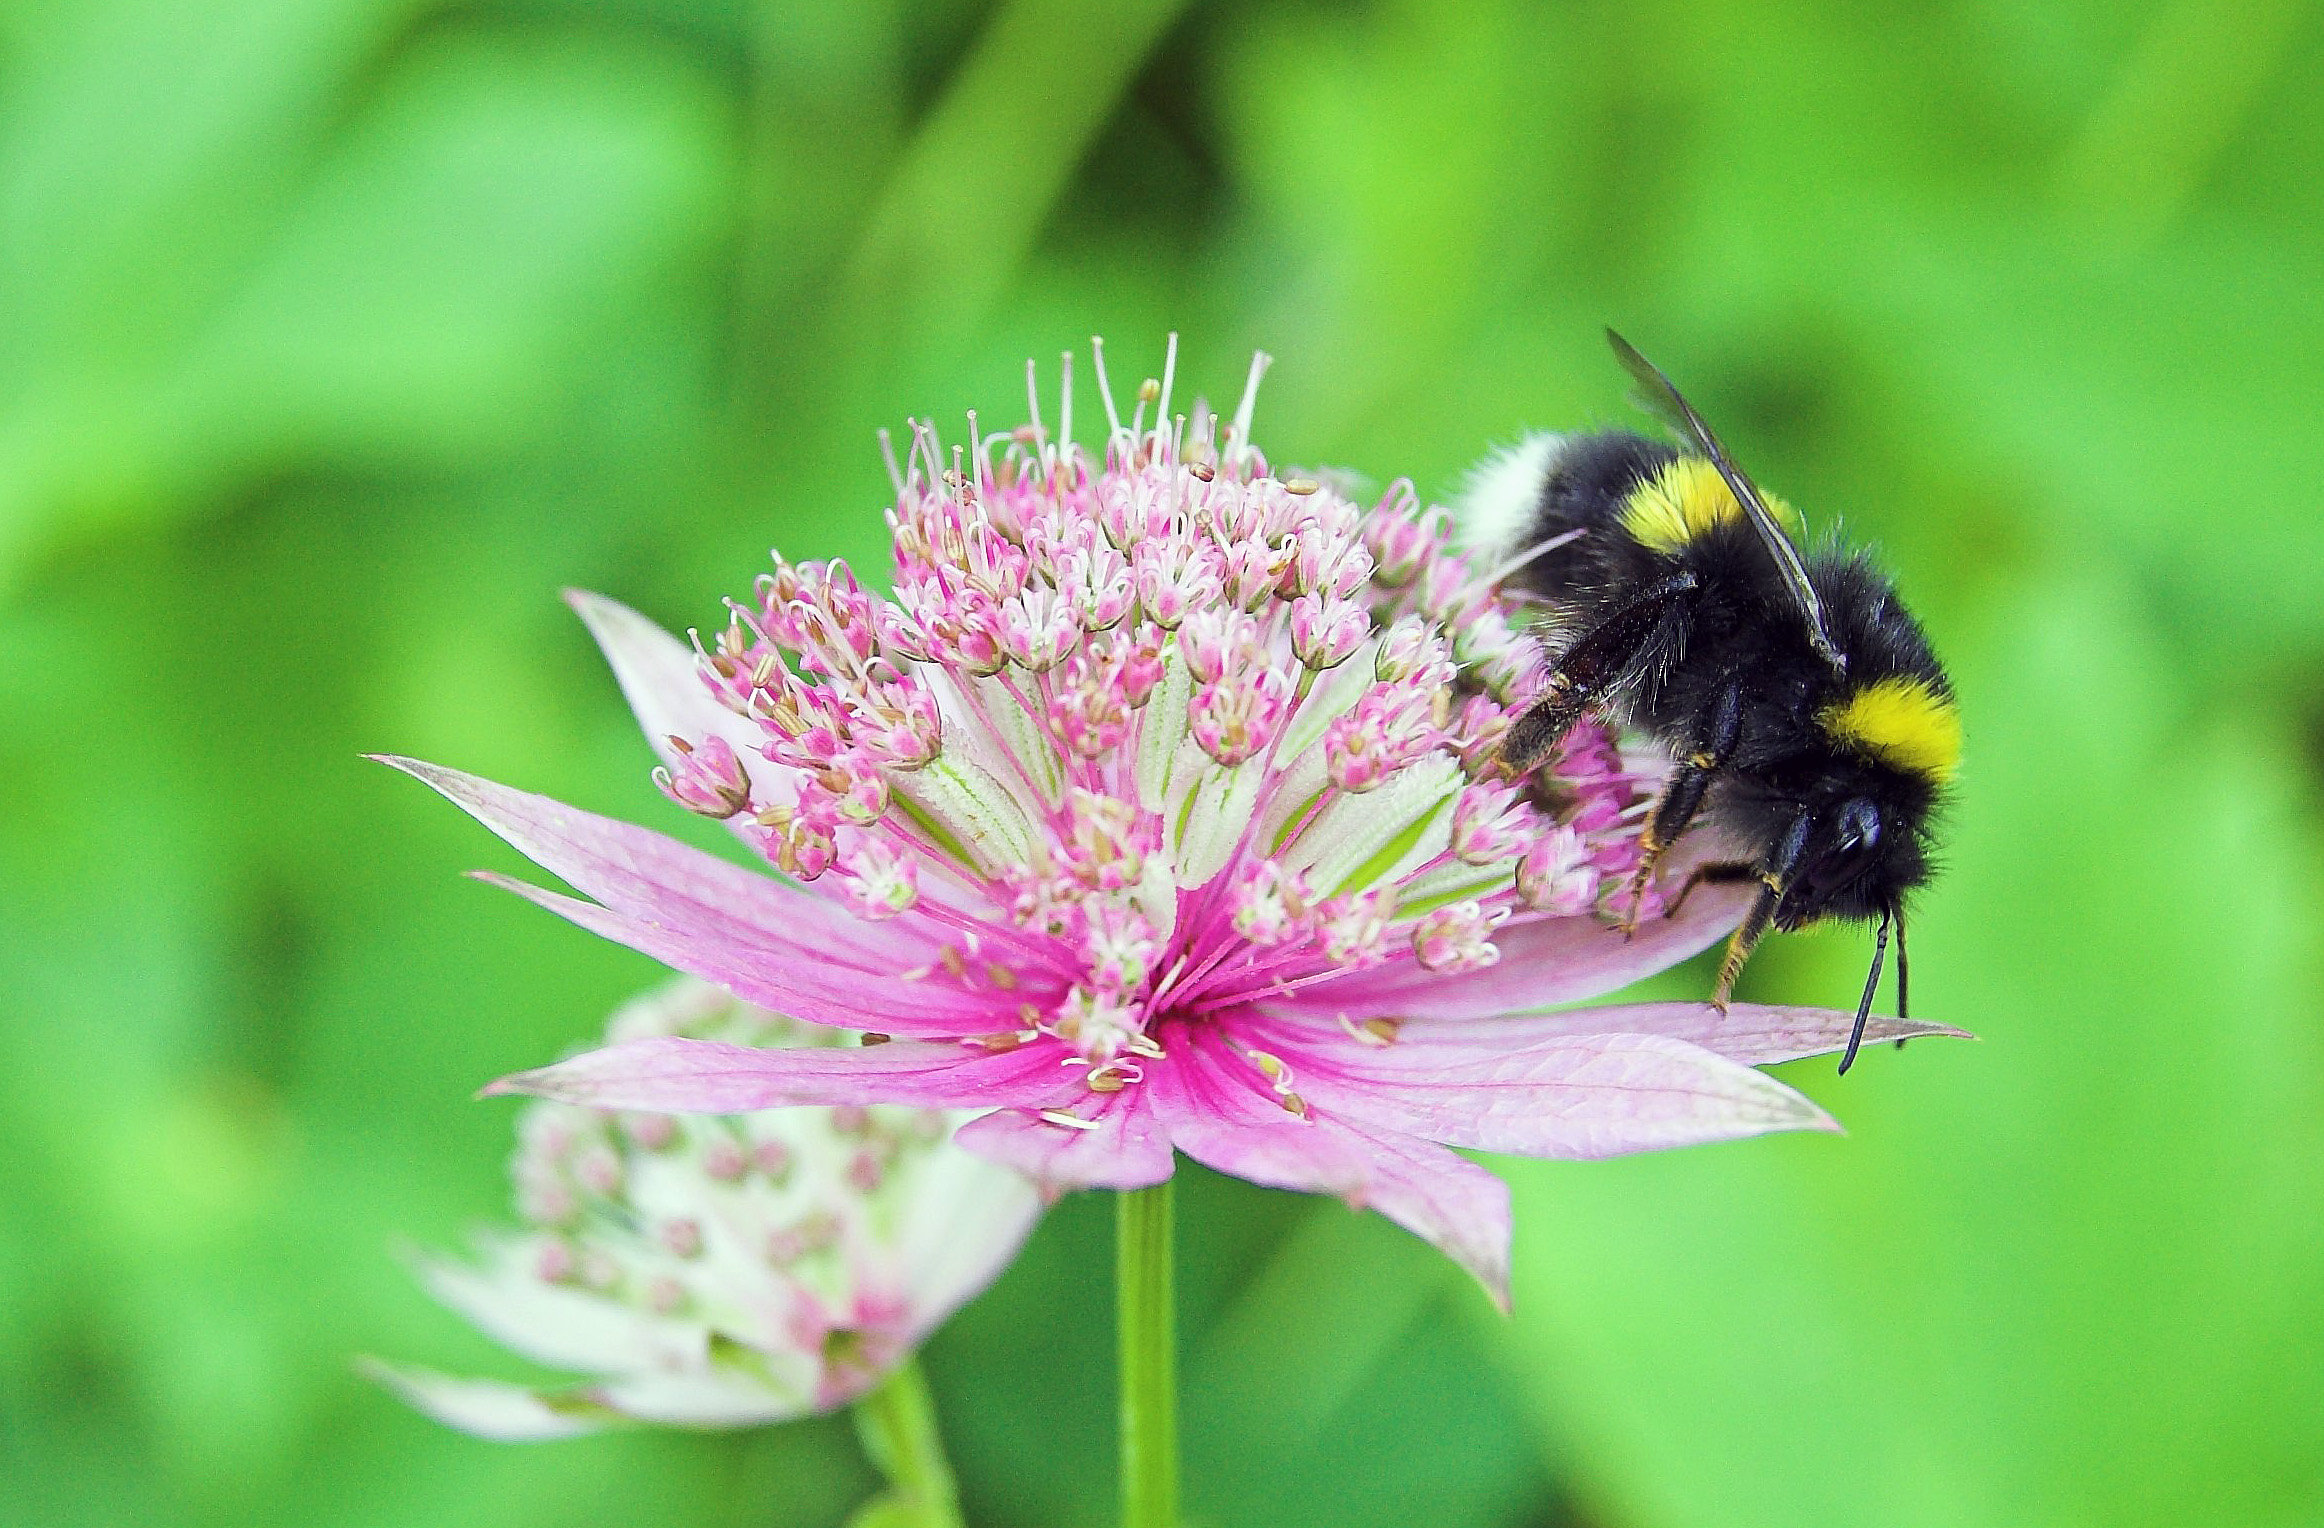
{"x": 1294, "y": 1104}
{"x": 1201, "y": 470}
{"x": 954, "y": 966}
{"x": 874, "y": 1037}
{"x": 1301, "y": 486}
{"x": 1006, "y": 1040}
{"x": 1031, "y": 1015}
{"x": 1149, "y": 390}
{"x": 1384, "y": 1030}
{"x": 1000, "y": 976}
{"x": 1106, "y": 1082}
{"x": 678, "y": 744}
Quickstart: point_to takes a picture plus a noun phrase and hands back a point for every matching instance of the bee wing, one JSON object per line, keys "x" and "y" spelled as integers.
{"x": 1665, "y": 402}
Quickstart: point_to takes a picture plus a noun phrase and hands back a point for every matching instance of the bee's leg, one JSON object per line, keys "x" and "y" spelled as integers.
{"x": 1716, "y": 732}
{"x": 1774, "y": 873}
{"x": 1598, "y": 659}
{"x": 1717, "y": 873}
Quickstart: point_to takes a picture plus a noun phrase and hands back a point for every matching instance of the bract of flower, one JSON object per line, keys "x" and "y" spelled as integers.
{"x": 1251, "y": 808}
{"x": 716, "y": 1271}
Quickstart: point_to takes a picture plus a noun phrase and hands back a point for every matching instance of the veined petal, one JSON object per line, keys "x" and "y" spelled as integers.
{"x": 665, "y": 691}
{"x": 1222, "y": 1114}
{"x": 490, "y": 1408}
{"x": 798, "y": 986}
{"x": 1119, "y": 1145}
{"x": 1755, "y": 1034}
{"x": 1446, "y": 1200}
{"x": 647, "y": 875}
{"x": 1579, "y": 1096}
{"x": 670, "y": 1075}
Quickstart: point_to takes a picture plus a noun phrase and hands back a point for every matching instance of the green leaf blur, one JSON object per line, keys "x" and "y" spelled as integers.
{"x": 337, "y": 335}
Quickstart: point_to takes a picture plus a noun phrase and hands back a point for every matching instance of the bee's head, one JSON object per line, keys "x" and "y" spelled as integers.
{"x": 1890, "y": 747}
{"x": 1862, "y": 856}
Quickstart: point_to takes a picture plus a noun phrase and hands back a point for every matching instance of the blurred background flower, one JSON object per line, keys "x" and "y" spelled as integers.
{"x": 717, "y": 1271}
{"x": 339, "y": 334}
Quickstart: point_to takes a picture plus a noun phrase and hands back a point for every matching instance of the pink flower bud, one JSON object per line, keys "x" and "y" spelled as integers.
{"x": 706, "y": 777}
{"x": 1556, "y": 876}
{"x": 1491, "y": 822}
{"x": 1217, "y": 641}
{"x": 1326, "y": 630}
{"x": 1401, "y": 541}
{"x": 1355, "y": 928}
{"x": 1456, "y": 938}
{"x": 1387, "y": 729}
{"x": 880, "y": 881}
{"x": 1270, "y": 904}
{"x": 1236, "y": 718}
{"x": 1038, "y": 627}
{"x": 723, "y": 1159}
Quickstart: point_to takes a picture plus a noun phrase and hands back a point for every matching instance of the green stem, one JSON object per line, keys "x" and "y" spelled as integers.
{"x": 1146, "y": 1322}
{"x": 897, "y": 1422}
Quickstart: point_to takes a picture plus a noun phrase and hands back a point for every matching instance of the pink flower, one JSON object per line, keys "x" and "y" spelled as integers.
{"x": 1209, "y": 866}
{"x": 718, "y": 1272}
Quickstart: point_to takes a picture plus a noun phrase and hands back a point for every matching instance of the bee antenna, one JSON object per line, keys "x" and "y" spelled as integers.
{"x": 1871, "y": 986}
{"x": 1903, "y": 1010}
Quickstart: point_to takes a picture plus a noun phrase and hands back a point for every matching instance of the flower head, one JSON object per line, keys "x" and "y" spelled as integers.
{"x": 1198, "y": 796}
{"x": 714, "y": 1271}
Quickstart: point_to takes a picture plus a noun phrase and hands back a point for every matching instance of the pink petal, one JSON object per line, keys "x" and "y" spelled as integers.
{"x": 666, "y": 1074}
{"x": 1579, "y": 1096}
{"x": 1756, "y": 1034}
{"x": 1446, "y": 1200}
{"x": 643, "y": 874}
{"x": 1221, "y": 1113}
{"x": 1544, "y": 962}
{"x": 801, "y": 987}
{"x": 813, "y": 960}
{"x": 1128, "y": 1149}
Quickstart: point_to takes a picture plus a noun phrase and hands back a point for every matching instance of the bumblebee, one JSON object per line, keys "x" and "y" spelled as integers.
{"x": 1806, "y": 714}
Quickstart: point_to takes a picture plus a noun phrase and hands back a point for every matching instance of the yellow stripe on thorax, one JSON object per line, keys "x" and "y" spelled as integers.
{"x": 1904, "y": 723}
{"x": 1684, "y": 500}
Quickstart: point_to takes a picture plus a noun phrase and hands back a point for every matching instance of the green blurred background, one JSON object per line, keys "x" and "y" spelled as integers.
{"x": 336, "y": 335}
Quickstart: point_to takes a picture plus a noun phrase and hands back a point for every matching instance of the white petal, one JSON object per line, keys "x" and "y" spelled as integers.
{"x": 980, "y": 813}
{"x": 1212, "y": 823}
{"x": 963, "y": 1220}
{"x": 712, "y": 1395}
{"x": 1162, "y": 728}
{"x": 664, "y": 688}
{"x": 1355, "y": 829}
{"x": 491, "y": 1408}
{"x": 556, "y": 1324}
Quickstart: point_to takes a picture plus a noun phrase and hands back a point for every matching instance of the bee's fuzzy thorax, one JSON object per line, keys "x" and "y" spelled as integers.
{"x": 1903, "y": 721}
